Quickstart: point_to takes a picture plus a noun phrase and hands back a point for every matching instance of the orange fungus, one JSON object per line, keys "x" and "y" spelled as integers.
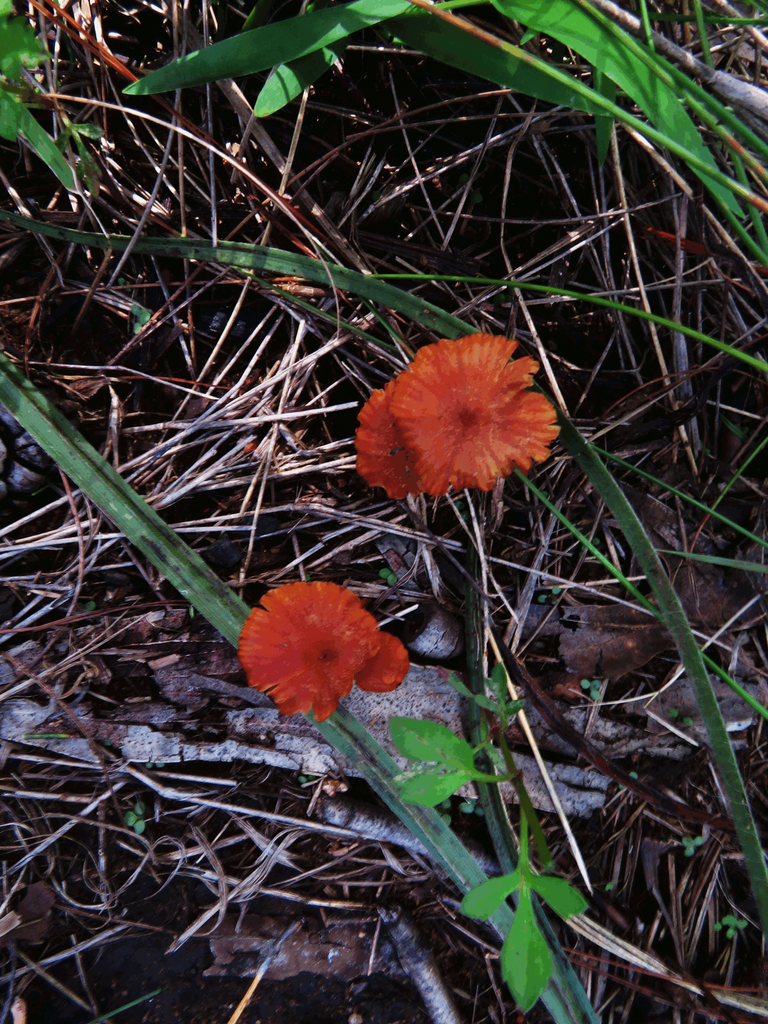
{"x": 307, "y": 644}
{"x": 382, "y": 457}
{"x": 466, "y": 416}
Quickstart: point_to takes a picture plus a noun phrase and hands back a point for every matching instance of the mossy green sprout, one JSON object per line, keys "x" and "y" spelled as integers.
{"x": 135, "y": 819}
{"x": 691, "y": 844}
{"x": 733, "y": 924}
{"x": 675, "y": 714}
{"x": 593, "y": 686}
{"x": 141, "y": 317}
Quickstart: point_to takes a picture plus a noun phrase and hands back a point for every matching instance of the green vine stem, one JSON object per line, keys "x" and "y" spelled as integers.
{"x": 495, "y": 810}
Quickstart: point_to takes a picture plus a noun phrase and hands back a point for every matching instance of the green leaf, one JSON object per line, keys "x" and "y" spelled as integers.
{"x": 430, "y": 789}
{"x": 513, "y": 707}
{"x": 290, "y": 80}
{"x": 525, "y": 961}
{"x": 449, "y": 44}
{"x": 454, "y": 681}
{"x": 614, "y": 55}
{"x": 498, "y": 682}
{"x": 268, "y": 47}
{"x": 603, "y": 122}
{"x": 562, "y": 897}
{"x": 480, "y": 699}
{"x": 19, "y": 47}
{"x": 90, "y": 131}
{"x": 257, "y": 16}
{"x": 422, "y": 740}
{"x": 486, "y": 899}
{"x": 139, "y": 826}
{"x": 10, "y": 113}
{"x": 45, "y": 147}
{"x": 727, "y": 563}
{"x": 130, "y": 818}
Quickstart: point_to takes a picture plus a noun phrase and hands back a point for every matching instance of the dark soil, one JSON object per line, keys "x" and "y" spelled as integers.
{"x": 120, "y": 972}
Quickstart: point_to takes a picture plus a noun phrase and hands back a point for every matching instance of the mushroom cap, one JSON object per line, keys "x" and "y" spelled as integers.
{"x": 464, "y": 412}
{"x": 308, "y": 641}
{"x": 383, "y": 460}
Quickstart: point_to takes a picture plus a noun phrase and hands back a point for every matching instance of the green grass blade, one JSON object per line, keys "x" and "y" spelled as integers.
{"x": 368, "y": 286}
{"x": 267, "y": 47}
{"x": 596, "y": 300}
{"x": 45, "y": 148}
{"x": 126, "y": 1006}
{"x": 459, "y": 49}
{"x": 141, "y": 525}
{"x": 603, "y": 122}
{"x": 614, "y": 53}
{"x": 726, "y": 563}
{"x": 226, "y": 612}
{"x": 256, "y": 258}
{"x": 500, "y": 62}
{"x": 674, "y": 619}
{"x": 606, "y": 563}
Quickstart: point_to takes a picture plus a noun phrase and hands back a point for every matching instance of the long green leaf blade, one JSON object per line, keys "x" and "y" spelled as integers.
{"x": 193, "y": 579}
{"x": 45, "y": 147}
{"x": 290, "y": 80}
{"x": 267, "y": 47}
{"x": 369, "y": 286}
{"x": 451, "y": 43}
{"x": 613, "y": 55}
{"x": 673, "y": 616}
{"x": 432, "y": 316}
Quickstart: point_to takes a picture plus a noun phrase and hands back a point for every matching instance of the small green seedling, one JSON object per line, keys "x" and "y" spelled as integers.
{"x": 154, "y": 764}
{"x": 691, "y": 844}
{"x": 141, "y": 317}
{"x": 526, "y": 963}
{"x": 444, "y": 762}
{"x": 135, "y": 819}
{"x": 388, "y": 576}
{"x": 733, "y": 924}
{"x": 593, "y": 685}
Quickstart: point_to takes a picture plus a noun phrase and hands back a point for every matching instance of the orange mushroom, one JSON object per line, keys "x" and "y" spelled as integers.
{"x": 466, "y": 416}
{"x": 382, "y": 457}
{"x": 307, "y": 644}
